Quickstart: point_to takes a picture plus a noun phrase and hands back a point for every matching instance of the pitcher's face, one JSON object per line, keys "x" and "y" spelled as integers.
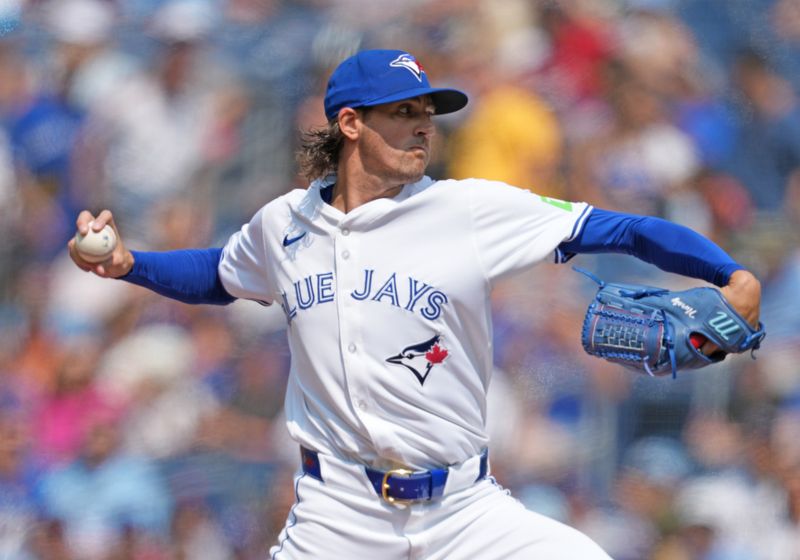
{"x": 395, "y": 142}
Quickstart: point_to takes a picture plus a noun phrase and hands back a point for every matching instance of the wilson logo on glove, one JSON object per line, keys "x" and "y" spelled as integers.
{"x": 723, "y": 324}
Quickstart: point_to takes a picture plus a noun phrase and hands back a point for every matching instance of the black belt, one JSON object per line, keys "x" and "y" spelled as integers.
{"x": 397, "y": 485}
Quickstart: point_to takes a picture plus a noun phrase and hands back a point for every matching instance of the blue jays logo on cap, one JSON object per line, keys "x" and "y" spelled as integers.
{"x": 409, "y": 63}
{"x": 374, "y": 77}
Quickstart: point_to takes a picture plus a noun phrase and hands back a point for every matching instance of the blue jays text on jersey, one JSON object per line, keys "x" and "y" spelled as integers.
{"x": 408, "y": 293}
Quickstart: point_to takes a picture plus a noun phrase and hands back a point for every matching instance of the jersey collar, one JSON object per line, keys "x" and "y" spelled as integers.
{"x": 317, "y": 201}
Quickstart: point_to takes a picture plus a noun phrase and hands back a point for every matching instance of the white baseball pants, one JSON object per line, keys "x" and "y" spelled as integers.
{"x": 344, "y": 518}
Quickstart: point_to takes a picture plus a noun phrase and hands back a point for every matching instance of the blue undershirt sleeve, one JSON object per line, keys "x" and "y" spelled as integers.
{"x": 187, "y": 275}
{"x": 669, "y": 246}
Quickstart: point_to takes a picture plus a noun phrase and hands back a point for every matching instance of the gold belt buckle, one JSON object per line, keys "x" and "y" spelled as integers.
{"x": 385, "y": 486}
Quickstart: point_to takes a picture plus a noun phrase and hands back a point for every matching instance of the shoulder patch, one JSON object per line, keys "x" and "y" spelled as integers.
{"x": 562, "y": 204}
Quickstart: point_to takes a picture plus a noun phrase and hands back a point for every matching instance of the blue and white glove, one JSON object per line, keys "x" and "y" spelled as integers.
{"x": 658, "y": 331}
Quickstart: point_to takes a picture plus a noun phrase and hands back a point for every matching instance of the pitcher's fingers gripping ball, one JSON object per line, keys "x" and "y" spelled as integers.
{"x": 658, "y": 331}
{"x": 96, "y": 246}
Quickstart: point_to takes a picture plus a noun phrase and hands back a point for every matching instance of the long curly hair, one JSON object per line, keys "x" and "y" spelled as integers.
{"x": 318, "y": 154}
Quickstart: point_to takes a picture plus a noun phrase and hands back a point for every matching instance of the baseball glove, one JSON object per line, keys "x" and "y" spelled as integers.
{"x": 658, "y": 331}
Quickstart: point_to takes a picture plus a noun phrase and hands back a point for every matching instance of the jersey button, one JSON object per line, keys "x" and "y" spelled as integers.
{"x": 345, "y": 254}
{"x": 351, "y": 348}
{"x": 345, "y": 231}
{"x": 362, "y": 405}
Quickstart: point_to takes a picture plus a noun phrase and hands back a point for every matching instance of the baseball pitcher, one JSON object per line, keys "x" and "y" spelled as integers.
{"x": 384, "y": 276}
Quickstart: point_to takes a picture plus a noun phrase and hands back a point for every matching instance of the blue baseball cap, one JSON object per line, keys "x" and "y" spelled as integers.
{"x": 374, "y": 77}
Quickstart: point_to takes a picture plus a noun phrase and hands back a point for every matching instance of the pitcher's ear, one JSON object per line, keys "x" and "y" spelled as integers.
{"x": 348, "y": 122}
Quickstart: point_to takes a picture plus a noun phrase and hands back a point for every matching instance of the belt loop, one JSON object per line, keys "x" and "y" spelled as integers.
{"x": 311, "y": 464}
{"x": 484, "y": 469}
{"x": 438, "y": 480}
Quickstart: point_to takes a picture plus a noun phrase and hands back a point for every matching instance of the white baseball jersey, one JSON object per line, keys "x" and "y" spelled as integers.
{"x": 389, "y": 312}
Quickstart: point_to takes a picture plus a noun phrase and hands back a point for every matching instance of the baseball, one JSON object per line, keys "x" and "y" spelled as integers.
{"x": 96, "y": 246}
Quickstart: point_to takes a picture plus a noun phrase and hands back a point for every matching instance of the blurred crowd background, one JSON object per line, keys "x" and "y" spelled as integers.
{"x": 132, "y": 427}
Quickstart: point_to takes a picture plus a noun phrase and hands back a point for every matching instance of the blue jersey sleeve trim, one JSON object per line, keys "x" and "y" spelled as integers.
{"x": 576, "y": 229}
{"x": 187, "y": 275}
{"x": 669, "y": 246}
{"x": 559, "y": 255}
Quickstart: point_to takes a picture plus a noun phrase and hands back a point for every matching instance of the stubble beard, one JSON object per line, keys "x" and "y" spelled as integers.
{"x": 411, "y": 172}
{"x": 408, "y": 168}
{"x": 396, "y": 166}
{"x": 412, "y": 165}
